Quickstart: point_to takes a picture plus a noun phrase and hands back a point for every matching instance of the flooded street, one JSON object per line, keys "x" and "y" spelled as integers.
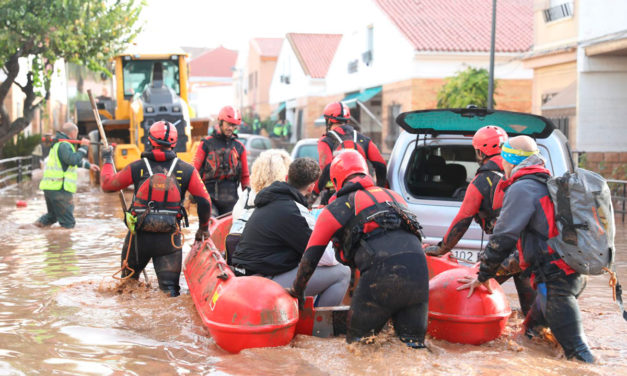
{"x": 62, "y": 313}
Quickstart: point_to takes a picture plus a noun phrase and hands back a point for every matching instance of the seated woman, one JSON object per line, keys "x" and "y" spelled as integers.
{"x": 271, "y": 165}
{"x": 276, "y": 234}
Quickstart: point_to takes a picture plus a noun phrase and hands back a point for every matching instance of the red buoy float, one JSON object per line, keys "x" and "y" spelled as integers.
{"x": 20, "y": 203}
{"x": 437, "y": 265}
{"x": 456, "y": 318}
{"x": 240, "y": 312}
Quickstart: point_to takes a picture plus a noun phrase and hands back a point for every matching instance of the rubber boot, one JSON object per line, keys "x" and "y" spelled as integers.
{"x": 583, "y": 355}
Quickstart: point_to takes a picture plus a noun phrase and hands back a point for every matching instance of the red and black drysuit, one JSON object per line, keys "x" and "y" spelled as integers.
{"x": 370, "y": 237}
{"x": 527, "y": 221}
{"x": 345, "y": 137}
{"x": 478, "y": 204}
{"x": 223, "y": 165}
{"x": 166, "y": 257}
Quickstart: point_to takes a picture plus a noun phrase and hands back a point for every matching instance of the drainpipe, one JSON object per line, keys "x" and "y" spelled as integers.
{"x": 491, "y": 73}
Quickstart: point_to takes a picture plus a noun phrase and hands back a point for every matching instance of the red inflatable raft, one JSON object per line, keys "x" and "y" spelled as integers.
{"x": 452, "y": 316}
{"x": 242, "y": 312}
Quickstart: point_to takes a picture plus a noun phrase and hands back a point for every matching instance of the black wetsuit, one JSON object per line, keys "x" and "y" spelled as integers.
{"x": 163, "y": 248}
{"x": 394, "y": 282}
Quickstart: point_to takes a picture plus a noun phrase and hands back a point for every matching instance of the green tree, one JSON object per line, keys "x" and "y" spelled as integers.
{"x": 34, "y": 34}
{"x": 466, "y": 87}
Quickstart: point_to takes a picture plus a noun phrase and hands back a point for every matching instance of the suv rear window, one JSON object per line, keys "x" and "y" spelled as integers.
{"x": 441, "y": 172}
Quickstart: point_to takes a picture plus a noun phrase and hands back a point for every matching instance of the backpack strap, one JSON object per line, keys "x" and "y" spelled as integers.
{"x": 148, "y": 166}
{"x": 355, "y": 139}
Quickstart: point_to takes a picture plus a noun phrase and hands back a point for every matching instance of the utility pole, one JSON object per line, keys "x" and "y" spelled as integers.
{"x": 491, "y": 72}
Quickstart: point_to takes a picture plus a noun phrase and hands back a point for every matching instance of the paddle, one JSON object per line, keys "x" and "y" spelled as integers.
{"x": 105, "y": 143}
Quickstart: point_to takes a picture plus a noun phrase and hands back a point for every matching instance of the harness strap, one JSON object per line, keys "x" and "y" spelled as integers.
{"x": 172, "y": 166}
{"x": 334, "y": 134}
{"x": 339, "y": 139}
{"x": 148, "y": 166}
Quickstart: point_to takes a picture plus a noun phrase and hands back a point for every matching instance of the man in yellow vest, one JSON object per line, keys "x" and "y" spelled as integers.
{"x": 59, "y": 180}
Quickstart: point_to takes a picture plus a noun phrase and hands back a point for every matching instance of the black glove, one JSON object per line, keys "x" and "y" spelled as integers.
{"x": 298, "y": 295}
{"x": 435, "y": 250}
{"x": 311, "y": 199}
{"x": 107, "y": 154}
{"x": 202, "y": 234}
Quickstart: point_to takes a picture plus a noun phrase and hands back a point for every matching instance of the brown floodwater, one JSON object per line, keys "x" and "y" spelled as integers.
{"x": 62, "y": 313}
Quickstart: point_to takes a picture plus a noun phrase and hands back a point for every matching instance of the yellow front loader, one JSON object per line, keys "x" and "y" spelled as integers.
{"x": 148, "y": 88}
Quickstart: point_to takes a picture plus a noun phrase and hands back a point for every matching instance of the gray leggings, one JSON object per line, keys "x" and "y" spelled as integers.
{"x": 328, "y": 282}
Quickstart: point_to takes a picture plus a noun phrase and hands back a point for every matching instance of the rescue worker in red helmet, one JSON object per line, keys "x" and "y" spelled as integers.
{"x": 373, "y": 233}
{"x": 478, "y": 205}
{"x": 340, "y": 135}
{"x": 222, "y": 162}
{"x": 161, "y": 181}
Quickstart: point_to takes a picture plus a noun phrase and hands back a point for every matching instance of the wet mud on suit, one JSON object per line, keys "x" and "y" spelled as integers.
{"x": 345, "y": 137}
{"x": 223, "y": 165}
{"x": 527, "y": 221}
{"x": 158, "y": 246}
{"x": 394, "y": 282}
{"x": 478, "y": 204}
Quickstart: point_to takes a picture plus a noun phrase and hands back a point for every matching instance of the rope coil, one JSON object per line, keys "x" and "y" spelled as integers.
{"x": 612, "y": 282}
{"x": 125, "y": 265}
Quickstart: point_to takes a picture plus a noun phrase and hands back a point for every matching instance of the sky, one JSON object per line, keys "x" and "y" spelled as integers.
{"x": 232, "y": 23}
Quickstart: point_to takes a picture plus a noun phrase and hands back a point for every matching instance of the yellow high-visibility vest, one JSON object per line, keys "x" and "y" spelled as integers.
{"x": 54, "y": 177}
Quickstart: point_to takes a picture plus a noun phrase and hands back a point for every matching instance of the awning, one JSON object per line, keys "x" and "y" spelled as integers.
{"x": 563, "y": 104}
{"x": 351, "y": 99}
{"x": 275, "y": 114}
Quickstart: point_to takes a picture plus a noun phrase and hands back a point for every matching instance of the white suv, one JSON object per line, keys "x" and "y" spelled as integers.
{"x": 433, "y": 161}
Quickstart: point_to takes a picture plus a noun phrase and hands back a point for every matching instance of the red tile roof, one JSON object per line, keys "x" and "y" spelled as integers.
{"x": 314, "y": 51}
{"x": 214, "y": 63}
{"x": 268, "y": 47}
{"x": 462, "y": 25}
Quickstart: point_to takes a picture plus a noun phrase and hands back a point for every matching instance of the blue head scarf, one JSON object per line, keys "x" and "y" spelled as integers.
{"x": 515, "y": 156}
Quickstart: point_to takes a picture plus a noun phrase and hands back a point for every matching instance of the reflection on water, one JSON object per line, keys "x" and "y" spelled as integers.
{"x": 61, "y": 312}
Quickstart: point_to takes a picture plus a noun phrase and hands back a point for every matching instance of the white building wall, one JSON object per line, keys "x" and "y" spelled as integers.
{"x": 301, "y": 85}
{"x": 599, "y": 18}
{"x": 394, "y": 57}
{"x": 601, "y": 109}
{"x": 440, "y": 65}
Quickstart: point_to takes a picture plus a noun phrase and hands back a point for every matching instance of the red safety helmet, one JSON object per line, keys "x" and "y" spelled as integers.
{"x": 489, "y": 139}
{"x": 336, "y": 112}
{"x": 163, "y": 134}
{"x": 346, "y": 163}
{"x": 230, "y": 115}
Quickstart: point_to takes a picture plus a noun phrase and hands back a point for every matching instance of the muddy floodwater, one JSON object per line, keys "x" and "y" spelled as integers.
{"x": 62, "y": 313}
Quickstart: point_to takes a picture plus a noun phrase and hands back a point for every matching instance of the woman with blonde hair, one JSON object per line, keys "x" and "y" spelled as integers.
{"x": 271, "y": 165}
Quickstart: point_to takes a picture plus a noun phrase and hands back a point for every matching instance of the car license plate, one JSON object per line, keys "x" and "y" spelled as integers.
{"x": 466, "y": 255}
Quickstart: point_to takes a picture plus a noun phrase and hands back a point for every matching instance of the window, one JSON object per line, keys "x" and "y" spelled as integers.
{"x": 138, "y": 75}
{"x": 561, "y": 123}
{"x": 441, "y": 171}
{"x": 558, "y": 9}
{"x": 257, "y": 143}
{"x": 308, "y": 150}
{"x": 367, "y": 56}
{"x": 352, "y": 66}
